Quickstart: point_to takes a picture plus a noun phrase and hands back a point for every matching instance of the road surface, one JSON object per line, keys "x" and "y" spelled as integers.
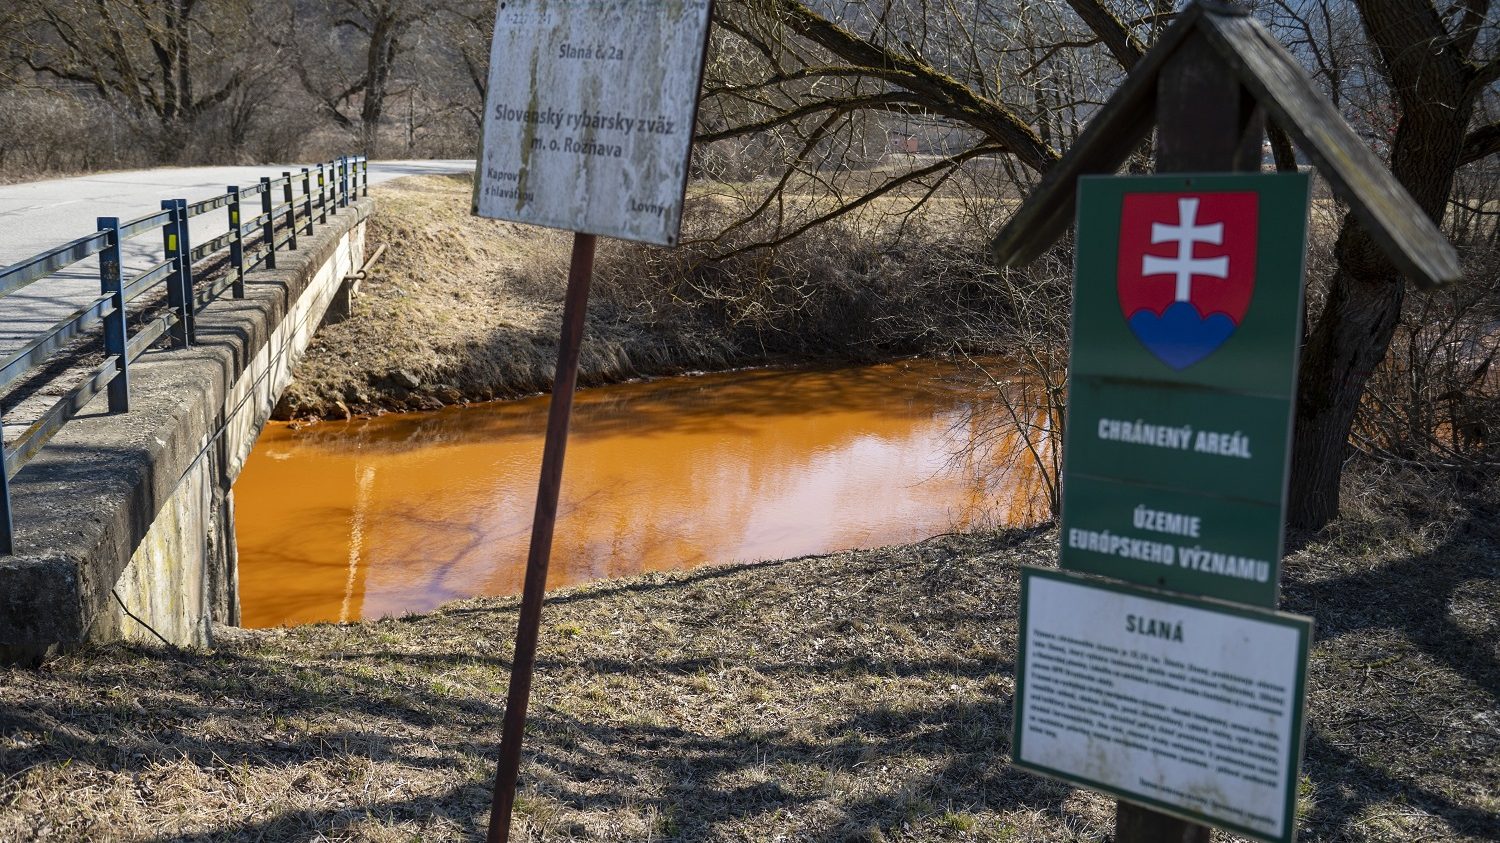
{"x": 38, "y": 216}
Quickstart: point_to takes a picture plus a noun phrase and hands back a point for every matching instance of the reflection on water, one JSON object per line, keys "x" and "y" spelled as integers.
{"x": 362, "y": 519}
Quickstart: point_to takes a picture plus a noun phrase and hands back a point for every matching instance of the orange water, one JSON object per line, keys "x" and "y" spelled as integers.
{"x": 367, "y": 518}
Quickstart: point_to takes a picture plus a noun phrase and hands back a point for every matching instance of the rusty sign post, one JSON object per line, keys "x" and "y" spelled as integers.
{"x": 588, "y": 127}
{"x": 1209, "y": 87}
{"x": 559, "y": 413}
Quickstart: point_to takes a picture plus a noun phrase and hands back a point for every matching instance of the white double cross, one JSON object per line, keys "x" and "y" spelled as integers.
{"x": 1185, "y": 235}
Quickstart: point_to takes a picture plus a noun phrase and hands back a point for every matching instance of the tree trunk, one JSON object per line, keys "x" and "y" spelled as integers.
{"x": 1349, "y": 341}
{"x": 1433, "y": 85}
{"x": 384, "y": 27}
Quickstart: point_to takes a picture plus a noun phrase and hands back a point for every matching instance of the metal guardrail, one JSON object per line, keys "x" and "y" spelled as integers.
{"x": 288, "y": 206}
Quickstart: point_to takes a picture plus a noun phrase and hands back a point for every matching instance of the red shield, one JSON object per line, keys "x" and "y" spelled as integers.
{"x": 1186, "y": 270}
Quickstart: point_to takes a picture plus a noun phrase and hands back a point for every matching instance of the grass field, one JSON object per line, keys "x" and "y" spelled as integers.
{"x": 859, "y": 696}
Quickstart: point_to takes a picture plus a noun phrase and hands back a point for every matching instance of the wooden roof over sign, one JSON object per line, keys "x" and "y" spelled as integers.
{"x": 1410, "y": 239}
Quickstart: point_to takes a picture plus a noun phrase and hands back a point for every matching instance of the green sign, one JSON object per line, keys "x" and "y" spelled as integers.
{"x": 1184, "y": 705}
{"x": 1186, "y": 318}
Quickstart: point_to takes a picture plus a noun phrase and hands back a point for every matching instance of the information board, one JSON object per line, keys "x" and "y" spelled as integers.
{"x": 1186, "y": 318}
{"x": 589, "y": 115}
{"x": 1187, "y": 706}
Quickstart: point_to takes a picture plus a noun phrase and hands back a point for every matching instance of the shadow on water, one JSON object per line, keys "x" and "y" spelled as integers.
{"x": 709, "y": 403}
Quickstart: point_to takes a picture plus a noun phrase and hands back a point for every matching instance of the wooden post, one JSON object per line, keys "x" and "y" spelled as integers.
{"x": 1134, "y": 824}
{"x": 575, "y": 305}
{"x": 1206, "y": 123}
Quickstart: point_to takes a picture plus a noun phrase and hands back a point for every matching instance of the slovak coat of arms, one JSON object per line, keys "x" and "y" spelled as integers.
{"x": 1186, "y": 270}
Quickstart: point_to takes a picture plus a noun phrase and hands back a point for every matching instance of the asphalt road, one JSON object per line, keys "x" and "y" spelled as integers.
{"x": 38, "y": 216}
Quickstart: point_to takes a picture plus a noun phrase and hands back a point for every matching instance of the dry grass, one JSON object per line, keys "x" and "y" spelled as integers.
{"x": 858, "y": 696}
{"x": 468, "y": 308}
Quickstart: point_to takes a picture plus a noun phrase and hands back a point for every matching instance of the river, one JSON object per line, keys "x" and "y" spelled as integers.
{"x": 343, "y": 521}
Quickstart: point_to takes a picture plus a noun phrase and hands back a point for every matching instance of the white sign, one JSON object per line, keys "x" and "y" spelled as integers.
{"x": 1180, "y": 704}
{"x": 589, "y": 115}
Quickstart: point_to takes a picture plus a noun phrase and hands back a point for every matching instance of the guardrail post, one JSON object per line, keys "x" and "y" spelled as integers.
{"x": 344, "y": 182}
{"x": 323, "y": 197}
{"x": 236, "y": 245}
{"x": 185, "y": 267}
{"x": 268, "y": 228}
{"x": 307, "y": 198}
{"x": 7, "y": 547}
{"x": 364, "y": 168}
{"x": 111, "y": 282}
{"x": 291, "y": 211}
{"x": 172, "y": 247}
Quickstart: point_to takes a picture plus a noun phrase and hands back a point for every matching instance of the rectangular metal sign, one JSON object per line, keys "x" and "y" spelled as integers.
{"x": 1186, "y": 319}
{"x": 589, "y": 115}
{"x": 1187, "y": 706}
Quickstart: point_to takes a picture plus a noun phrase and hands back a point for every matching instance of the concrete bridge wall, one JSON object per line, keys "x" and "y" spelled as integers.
{"x": 125, "y": 523}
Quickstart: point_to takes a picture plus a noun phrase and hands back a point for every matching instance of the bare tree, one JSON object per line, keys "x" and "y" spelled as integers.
{"x": 345, "y": 54}
{"x": 1437, "y": 66}
{"x": 170, "y": 59}
{"x": 818, "y": 75}
{"x": 12, "y": 39}
{"x": 467, "y": 26}
{"x": 236, "y": 79}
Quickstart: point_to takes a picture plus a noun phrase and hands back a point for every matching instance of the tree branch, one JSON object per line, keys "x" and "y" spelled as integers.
{"x": 935, "y": 90}
{"x": 1486, "y": 75}
{"x": 899, "y": 102}
{"x": 947, "y": 164}
{"x": 1480, "y": 143}
{"x": 1122, "y": 43}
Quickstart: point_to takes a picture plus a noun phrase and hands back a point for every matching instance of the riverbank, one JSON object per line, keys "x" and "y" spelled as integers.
{"x": 856, "y": 696}
{"x": 464, "y": 309}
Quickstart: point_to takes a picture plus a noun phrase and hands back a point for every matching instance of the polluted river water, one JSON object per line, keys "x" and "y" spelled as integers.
{"x": 343, "y": 521}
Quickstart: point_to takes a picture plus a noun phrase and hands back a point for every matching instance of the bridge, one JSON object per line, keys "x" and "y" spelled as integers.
{"x": 149, "y": 322}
